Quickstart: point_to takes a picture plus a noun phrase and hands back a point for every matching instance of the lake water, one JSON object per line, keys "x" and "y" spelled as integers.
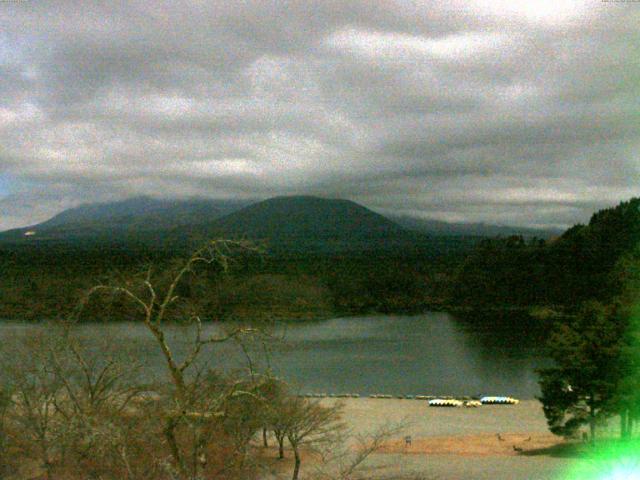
{"x": 430, "y": 354}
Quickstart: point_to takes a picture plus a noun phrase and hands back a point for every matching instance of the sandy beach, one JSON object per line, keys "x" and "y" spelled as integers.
{"x": 488, "y": 442}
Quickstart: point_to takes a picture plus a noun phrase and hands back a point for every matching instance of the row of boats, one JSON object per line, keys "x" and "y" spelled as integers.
{"x": 453, "y": 402}
{"x": 433, "y": 401}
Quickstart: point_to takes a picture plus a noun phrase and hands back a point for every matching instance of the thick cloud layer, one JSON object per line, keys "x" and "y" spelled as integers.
{"x": 523, "y": 113}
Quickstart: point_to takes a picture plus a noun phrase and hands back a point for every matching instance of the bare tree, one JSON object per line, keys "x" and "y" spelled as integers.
{"x": 309, "y": 424}
{"x": 67, "y": 404}
{"x": 345, "y": 459}
{"x": 193, "y": 404}
{"x": 34, "y": 419}
{"x": 274, "y": 395}
{"x": 96, "y": 407}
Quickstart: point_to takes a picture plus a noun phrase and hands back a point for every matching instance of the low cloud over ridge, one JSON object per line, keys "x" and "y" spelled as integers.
{"x": 484, "y": 111}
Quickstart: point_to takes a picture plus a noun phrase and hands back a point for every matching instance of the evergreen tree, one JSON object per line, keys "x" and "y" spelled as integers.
{"x": 582, "y": 386}
{"x": 626, "y": 402}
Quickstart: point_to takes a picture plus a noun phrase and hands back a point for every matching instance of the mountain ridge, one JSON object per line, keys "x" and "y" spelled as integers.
{"x": 304, "y": 215}
{"x": 439, "y": 227}
{"x": 146, "y": 214}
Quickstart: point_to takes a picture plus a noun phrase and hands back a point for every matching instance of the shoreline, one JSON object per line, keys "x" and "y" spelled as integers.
{"x": 421, "y": 420}
{"x": 490, "y": 442}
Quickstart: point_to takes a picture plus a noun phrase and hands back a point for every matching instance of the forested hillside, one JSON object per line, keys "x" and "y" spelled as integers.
{"x": 586, "y": 262}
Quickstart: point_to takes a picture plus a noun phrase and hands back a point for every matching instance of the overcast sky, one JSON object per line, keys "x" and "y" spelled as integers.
{"x": 501, "y": 111}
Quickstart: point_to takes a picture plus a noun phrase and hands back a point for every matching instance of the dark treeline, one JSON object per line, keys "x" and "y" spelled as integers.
{"x": 587, "y": 262}
{"x": 46, "y": 283}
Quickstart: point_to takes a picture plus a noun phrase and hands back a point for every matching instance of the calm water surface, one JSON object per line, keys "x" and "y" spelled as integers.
{"x": 432, "y": 354}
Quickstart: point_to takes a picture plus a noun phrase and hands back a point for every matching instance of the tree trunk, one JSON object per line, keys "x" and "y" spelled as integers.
{"x": 281, "y": 447}
{"x": 48, "y": 468}
{"x": 592, "y": 422}
{"x": 46, "y": 460}
{"x": 264, "y": 437}
{"x": 169, "y": 434}
{"x": 624, "y": 423}
{"x": 296, "y": 467}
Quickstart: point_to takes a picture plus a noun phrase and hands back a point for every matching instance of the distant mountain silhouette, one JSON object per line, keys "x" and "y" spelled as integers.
{"x": 298, "y": 224}
{"x": 292, "y": 223}
{"x": 127, "y": 217}
{"x": 144, "y": 213}
{"x": 307, "y": 217}
{"x": 295, "y": 224}
{"x": 437, "y": 227}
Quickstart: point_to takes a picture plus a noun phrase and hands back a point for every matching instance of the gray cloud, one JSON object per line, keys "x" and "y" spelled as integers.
{"x": 494, "y": 111}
